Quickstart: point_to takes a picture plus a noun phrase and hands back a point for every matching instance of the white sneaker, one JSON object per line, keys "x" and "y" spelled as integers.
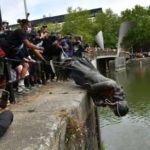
{"x": 20, "y": 89}
{"x": 23, "y": 90}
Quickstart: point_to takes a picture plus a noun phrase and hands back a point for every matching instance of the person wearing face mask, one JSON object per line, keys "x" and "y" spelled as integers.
{"x": 31, "y": 34}
{"x": 18, "y": 39}
{"x": 34, "y": 69}
{"x": 29, "y": 30}
{"x": 14, "y": 47}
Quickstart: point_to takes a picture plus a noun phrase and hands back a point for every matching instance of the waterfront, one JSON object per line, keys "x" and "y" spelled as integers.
{"x": 131, "y": 132}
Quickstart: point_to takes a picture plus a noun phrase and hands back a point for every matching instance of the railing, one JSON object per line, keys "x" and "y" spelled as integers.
{"x": 94, "y": 53}
{"x": 7, "y": 70}
{"x": 99, "y": 53}
{"x": 105, "y": 53}
{"x": 8, "y": 82}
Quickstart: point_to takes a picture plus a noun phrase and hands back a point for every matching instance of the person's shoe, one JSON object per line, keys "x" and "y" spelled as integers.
{"x": 48, "y": 81}
{"x": 23, "y": 90}
{"x": 19, "y": 90}
{"x": 52, "y": 76}
{"x": 39, "y": 81}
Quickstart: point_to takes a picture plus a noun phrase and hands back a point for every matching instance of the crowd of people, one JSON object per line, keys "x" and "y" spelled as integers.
{"x": 31, "y": 54}
{"x": 27, "y": 59}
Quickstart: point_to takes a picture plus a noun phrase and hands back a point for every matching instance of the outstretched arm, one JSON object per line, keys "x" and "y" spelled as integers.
{"x": 34, "y": 48}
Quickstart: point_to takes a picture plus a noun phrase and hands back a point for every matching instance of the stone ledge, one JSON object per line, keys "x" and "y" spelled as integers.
{"x": 40, "y": 120}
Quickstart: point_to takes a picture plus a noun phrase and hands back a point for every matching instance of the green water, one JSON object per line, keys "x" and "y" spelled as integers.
{"x": 131, "y": 132}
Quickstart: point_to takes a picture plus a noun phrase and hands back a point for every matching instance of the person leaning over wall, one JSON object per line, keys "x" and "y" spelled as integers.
{"x": 14, "y": 47}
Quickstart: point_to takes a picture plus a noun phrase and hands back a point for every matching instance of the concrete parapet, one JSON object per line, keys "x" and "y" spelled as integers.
{"x": 139, "y": 61}
{"x": 120, "y": 63}
{"x": 58, "y": 116}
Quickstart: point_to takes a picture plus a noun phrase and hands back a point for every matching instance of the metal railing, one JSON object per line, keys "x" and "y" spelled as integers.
{"x": 99, "y": 53}
{"x": 9, "y": 82}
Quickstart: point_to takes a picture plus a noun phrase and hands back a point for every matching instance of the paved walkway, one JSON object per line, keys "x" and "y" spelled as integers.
{"x": 39, "y": 118}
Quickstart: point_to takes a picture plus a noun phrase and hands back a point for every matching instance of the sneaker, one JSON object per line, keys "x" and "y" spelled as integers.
{"x": 48, "y": 81}
{"x": 23, "y": 90}
{"x": 19, "y": 90}
{"x": 52, "y": 76}
{"x": 39, "y": 81}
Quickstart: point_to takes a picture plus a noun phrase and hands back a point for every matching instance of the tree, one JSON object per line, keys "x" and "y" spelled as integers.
{"x": 77, "y": 22}
{"x": 139, "y": 35}
{"x": 108, "y": 23}
{"x": 54, "y": 27}
{"x": 51, "y": 27}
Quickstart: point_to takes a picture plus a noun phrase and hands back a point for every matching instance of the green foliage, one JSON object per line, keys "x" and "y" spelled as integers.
{"x": 108, "y": 23}
{"x": 51, "y": 27}
{"x": 77, "y": 22}
{"x": 139, "y": 35}
{"x": 102, "y": 146}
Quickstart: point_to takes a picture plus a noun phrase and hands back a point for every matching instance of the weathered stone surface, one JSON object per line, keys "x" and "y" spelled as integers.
{"x": 40, "y": 119}
{"x": 120, "y": 63}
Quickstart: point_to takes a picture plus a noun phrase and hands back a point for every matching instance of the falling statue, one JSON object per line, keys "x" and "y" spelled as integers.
{"x": 104, "y": 91}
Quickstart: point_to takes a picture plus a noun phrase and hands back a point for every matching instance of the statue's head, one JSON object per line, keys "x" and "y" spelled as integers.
{"x": 111, "y": 96}
{"x": 120, "y": 108}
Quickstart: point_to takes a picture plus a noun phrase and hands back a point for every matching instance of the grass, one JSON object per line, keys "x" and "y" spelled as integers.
{"x": 102, "y": 146}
